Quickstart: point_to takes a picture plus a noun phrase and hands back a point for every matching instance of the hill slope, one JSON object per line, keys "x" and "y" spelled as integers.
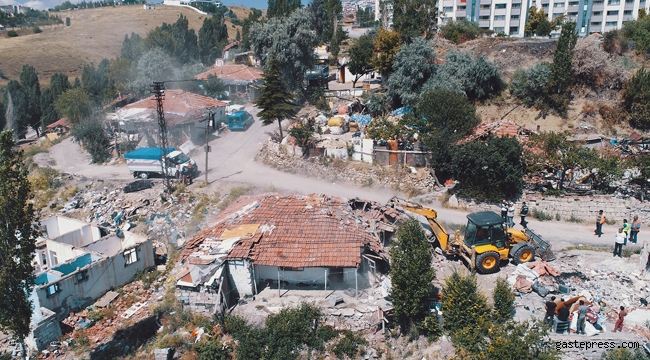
{"x": 93, "y": 34}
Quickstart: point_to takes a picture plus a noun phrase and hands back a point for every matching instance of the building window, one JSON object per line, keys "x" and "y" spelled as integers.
{"x": 485, "y": 7}
{"x": 597, "y": 13}
{"x": 598, "y": 2}
{"x": 627, "y": 12}
{"x": 52, "y": 289}
{"x": 484, "y": 17}
{"x": 613, "y": 2}
{"x": 448, "y": 9}
{"x": 54, "y": 259}
{"x": 82, "y": 276}
{"x": 629, "y": 1}
{"x": 596, "y": 23}
{"x": 461, "y": 7}
{"x": 612, "y": 12}
{"x": 500, "y": 6}
{"x": 516, "y": 6}
{"x": 130, "y": 256}
{"x": 499, "y": 17}
{"x": 545, "y": 6}
{"x": 498, "y": 30}
{"x": 292, "y": 269}
{"x": 574, "y": 3}
{"x": 610, "y": 23}
{"x": 558, "y": 5}
{"x": 514, "y": 30}
{"x": 556, "y": 15}
{"x": 514, "y": 17}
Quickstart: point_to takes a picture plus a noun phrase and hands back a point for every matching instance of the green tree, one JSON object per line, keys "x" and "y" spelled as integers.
{"x": 74, "y": 104}
{"x": 154, "y": 65}
{"x": 529, "y": 85}
{"x": 176, "y": 39}
{"x": 639, "y": 32}
{"x": 504, "y": 301}
{"x": 18, "y": 233}
{"x": 333, "y": 9}
{"x": 303, "y": 132}
{"x": 319, "y": 16}
{"x": 274, "y": 100}
{"x": 475, "y": 77}
{"x": 91, "y": 135}
{"x": 415, "y": 18}
{"x": 643, "y": 164}
{"x": 537, "y": 23}
{"x": 119, "y": 73}
{"x": 281, "y": 8}
{"x": 561, "y": 69}
{"x": 253, "y": 17}
{"x": 339, "y": 36}
{"x": 636, "y": 99}
{"x": 213, "y": 36}
{"x": 624, "y": 354}
{"x": 387, "y": 44}
{"x": 95, "y": 81}
{"x": 609, "y": 168}
{"x": 212, "y": 350}
{"x": 411, "y": 274}
{"x": 490, "y": 169}
{"x": 413, "y": 65}
{"x": 460, "y": 31}
{"x": 214, "y": 87}
{"x": 289, "y": 40}
{"x": 361, "y": 53}
{"x": 31, "y": 115}
{"x": 3, "y": 119}
{"x": 464, "y": 307}
{"x": 132, "y": 48}
{"x": 67, "y": 21}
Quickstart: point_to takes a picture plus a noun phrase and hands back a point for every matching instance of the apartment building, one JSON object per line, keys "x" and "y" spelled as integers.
{"x": 509, "y": 16}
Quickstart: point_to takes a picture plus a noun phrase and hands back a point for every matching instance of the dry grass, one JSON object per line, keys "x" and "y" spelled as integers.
{"x": 93, "y": 34}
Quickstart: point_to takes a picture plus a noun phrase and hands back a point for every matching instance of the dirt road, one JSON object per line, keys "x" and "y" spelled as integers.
{"x": 232, "y": 161}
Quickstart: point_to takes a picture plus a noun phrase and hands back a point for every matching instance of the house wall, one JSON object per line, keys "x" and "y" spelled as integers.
{"x": 44, "y": 332}
{"x": 311, "y": 275}
{"x": 239, "y": 275}
{"x": 109, "y": 246}
{"x": 64, "y": 252}
{"x": 101, "y": 276}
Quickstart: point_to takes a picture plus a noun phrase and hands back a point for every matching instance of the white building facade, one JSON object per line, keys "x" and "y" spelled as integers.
{"x": 509, "y": 16}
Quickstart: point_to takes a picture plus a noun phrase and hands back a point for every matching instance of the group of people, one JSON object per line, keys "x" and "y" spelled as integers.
{"x": 508, "y": 213}
{"x": 626, "y": 231}
{"x": 585, "y": 313}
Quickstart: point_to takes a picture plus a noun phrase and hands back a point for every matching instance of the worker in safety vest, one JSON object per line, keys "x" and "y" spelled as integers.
{"x": 626, "y": 230}
{"x": 636, "y": 227}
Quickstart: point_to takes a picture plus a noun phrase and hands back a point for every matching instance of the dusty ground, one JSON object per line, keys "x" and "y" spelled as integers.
{"x": 93, "y": 34}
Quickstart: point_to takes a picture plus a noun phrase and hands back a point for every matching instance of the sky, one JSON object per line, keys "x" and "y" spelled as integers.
{"x": 46, "y": 4}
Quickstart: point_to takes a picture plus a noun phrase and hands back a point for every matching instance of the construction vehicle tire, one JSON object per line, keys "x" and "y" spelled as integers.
{"x": 522, "y": 253}
{"x": 487, "y": 262}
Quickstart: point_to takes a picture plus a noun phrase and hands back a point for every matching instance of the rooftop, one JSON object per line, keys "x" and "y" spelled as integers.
{"x": 291, "y": 231}
{"x": 233, "y": 74}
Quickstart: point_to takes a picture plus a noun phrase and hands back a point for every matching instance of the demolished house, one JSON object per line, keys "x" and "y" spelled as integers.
{"x": 186, "y": 114}
{"x": 240, "y": 79}
{"x": 76, "y": 263}
{"x": 311, "y": 241}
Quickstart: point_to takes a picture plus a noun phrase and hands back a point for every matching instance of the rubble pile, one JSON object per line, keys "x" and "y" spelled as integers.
{"x": 361, "y": 174}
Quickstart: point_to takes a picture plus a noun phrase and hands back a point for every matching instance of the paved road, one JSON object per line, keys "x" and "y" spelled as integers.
{"x": 232, "y": 160}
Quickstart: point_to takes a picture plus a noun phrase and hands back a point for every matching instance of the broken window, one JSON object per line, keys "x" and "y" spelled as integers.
{"x": 130, "y": 256}
{"x": 52, "y": 289}
{"x": 292, "y": 268}
{"x": 54, "y": 259}
{"x": 82, "y": 276}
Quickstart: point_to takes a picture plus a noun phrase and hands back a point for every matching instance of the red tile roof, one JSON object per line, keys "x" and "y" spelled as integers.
{"x": 63, "y": 122}
{"x": 500, "y": 128}
{"x": 231, "y": 45}
{"x": 233, "y": 73}
{"x": 295, "y": 231}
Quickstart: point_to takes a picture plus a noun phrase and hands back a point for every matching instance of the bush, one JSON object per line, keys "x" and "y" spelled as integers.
{"x": 460, "y": 31}
{"x": 12, "y": 33}
{"x": 91, "y": 135}
{"x": 624, "y": 354}
{"x": 594, "y": 67}
{"x": 477, "y": 78}
{"x": 614, "y": 42}
{"x": 504, "y": 301}
{"x": 636, "y": 99}
{"x": 541, "y": 215}
{"x": 37, "y": 30}
{"x": 464, "y": 306}
{"x": 212, "y": 350}
{"x": 67, "y": 21}
{"x": 349, "y": 345}
{"x": 639, "y": 32}
{"x": 529, "y": 85}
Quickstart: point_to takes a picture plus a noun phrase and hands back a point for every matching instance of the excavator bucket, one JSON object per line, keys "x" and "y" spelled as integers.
{"x": 542, "y": 248}
{"x": 436, "y": 227}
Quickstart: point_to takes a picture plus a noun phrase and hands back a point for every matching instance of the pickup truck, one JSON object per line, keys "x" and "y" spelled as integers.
{"x": 144, "y": 162}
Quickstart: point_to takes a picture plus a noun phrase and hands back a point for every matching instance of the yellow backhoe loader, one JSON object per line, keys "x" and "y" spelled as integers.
{"x": 486, "y": 241}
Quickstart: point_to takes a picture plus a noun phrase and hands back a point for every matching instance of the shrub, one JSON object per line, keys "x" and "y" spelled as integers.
{"x": 541, "y": 215}
{"x": 589, "y": 109}
{"x": 529, "y": 85}
{"x": 504, "y": 301}
{"x": 639, "y": 32}
{"x": 12, "y": 33}
{"x": 575, "y": 219}
{"x": 624, "y": 354}
{"x": 636, "y": 99}
{"x": 36, "y": 29}
{"x": 594, "y": 67}
{"x": 67, "y": 21}
{"x": 614, "y": 42}
{"x": 349, "y": 345}
{"x": 464, "y": 306}
{"x": 91, "y": 134}
{"x": 212, "y": 350}
{"x": 460, "y": 31}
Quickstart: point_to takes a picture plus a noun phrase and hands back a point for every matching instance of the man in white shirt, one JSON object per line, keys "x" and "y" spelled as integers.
{"x": 620, "y": 240}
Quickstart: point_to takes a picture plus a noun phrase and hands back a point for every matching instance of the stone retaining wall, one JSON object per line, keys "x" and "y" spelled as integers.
{"x": 582, "y": 207}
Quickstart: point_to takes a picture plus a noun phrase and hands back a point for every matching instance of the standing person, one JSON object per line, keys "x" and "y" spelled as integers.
{"x": 582, "y": 317}
{"x": 600, "y": 220}
{"x": 510, "y": 215}
{"x": 626, "y": 230}
{"x": 523, "y": 212}
{"x": 550, "y": 311}
{"x": 619, "y": 323}
{"x": 190, "y": 172}
{"x": 620, "y": 240}
{"x": 563, "y": 314}
{"x": 504, "y": 209}
{"x": 636, "y": 227}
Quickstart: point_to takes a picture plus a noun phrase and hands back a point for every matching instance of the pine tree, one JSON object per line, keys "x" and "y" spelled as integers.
{"x": 504, "y": 301}
{"x": 411, "y": 274}
{"x": 17, "y": 242}
{"x": 562, "y": 68}
{"x": 274, "y": 100}
{"x": 464, "y": 306}
{"x": 31, "y": 115}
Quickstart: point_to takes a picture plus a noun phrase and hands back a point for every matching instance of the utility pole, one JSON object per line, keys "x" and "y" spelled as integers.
{"x": 158, "y": 90}
{"x": 207, "y": 144}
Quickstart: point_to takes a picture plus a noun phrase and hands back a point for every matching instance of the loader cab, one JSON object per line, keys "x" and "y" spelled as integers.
{"x": 485, "y": 228}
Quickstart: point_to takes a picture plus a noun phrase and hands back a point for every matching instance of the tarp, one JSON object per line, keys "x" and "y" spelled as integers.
{"x": 336, "y": 121}
{"x": 543, "y": 268}
{"x": 147, "y": 153}
{"x": 522, "y": 284}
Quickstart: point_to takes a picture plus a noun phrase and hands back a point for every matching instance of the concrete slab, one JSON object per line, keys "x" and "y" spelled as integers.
{"x": 106, "y": 300}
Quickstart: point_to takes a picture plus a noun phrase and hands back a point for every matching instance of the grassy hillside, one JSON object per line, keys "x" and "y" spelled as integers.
{"x": 93, "y": 34}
